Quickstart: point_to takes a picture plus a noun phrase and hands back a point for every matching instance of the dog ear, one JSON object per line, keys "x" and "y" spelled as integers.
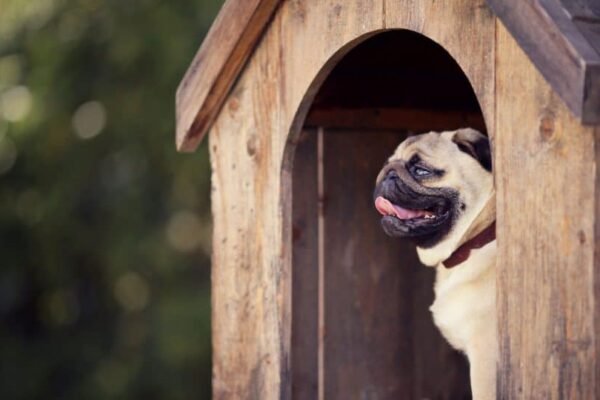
{"x": 475, "y": 144}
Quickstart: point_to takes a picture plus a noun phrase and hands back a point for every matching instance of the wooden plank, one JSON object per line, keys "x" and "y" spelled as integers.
{"x": 394, "y": 118}
{"x": 305, "y": 296}
{"x": 318, "y": 34}
{"x": 368, "y": 352}
{"x": 564, "y": 56}
{"x": 596, "y": 266}
{"x": 219, "y": 60}
{"x": 380, "y": 341}
{"x": 321, "y": 261}
{"x": 251, "y": 278}
{"x": 589, "y": 9}
{"x": 582, "y": 9}
{"x": 585, "y": 15}
{"x": 546, "y": 177}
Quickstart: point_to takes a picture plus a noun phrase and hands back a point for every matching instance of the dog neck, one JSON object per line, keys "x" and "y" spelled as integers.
{"x": 481, "y": 232}
{"x": 484, "y": 219}
{"x": 445, "y": 250}
{"x": 461, "y": 254}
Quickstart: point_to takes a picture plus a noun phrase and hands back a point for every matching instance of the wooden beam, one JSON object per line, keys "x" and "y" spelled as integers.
{"x": 547, "y": 289}
{"x": 394, "y": 118}
{"x": 305, "y": 271}
{"x": 219, "y": 60}
{"x": 558, "y": 42}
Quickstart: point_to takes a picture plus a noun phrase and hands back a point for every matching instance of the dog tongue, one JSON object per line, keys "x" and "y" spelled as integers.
{"x": 385, "y": 207}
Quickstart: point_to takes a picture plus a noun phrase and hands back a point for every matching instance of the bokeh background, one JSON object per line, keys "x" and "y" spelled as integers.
{"x": 104, "y": 227}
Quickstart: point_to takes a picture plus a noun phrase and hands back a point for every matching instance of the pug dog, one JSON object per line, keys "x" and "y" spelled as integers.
{"x": 437, "y": 190}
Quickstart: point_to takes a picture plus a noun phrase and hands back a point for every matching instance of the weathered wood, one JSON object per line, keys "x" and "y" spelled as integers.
{"x": 565, "y": 57}
{"x": 252, "y": 143}
{"x": 562, "y": 47}
{"x": 219, "y": 60}
{"x": 585, "y": 14}
{"x": 305, "y": 296}
{"x": 318, "y": 34}
{"x": 547, "y": 283}
{"x": 596, "y": 266}
{"x": 251, "y": 291}
{"x": 582, "y": 9}
{"x": 394, "y": 118}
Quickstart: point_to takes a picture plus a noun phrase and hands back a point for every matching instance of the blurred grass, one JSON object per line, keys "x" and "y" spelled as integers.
{"x": 104, "y": 228}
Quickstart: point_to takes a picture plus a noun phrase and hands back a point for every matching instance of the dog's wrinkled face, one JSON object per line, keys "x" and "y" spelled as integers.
{"x": 434, "y": 185}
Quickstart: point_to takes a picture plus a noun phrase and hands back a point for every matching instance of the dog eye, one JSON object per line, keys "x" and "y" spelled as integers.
{"x": 420, "y": 172}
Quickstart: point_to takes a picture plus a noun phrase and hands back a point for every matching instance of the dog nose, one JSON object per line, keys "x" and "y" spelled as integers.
{"x": 391, "y": 175}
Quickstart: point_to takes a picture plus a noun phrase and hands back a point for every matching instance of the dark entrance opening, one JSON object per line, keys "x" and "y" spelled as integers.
{"x": 361, "y": 326}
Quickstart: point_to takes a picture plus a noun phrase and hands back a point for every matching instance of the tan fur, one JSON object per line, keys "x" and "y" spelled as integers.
{"x": 465, "y": 296}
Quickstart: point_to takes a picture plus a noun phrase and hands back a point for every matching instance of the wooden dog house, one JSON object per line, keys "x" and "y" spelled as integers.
{"x": 304, "y": 100}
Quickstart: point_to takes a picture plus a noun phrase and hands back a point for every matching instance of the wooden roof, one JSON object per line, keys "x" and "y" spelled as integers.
{"x": 215, "y": 67}
{"x": 561, "y": 37}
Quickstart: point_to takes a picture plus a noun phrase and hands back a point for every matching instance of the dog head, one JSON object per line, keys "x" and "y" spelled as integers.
{"x": 434, "y": 188}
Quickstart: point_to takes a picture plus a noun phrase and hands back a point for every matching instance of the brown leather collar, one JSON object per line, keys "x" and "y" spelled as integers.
{"x": 462, "y": 253}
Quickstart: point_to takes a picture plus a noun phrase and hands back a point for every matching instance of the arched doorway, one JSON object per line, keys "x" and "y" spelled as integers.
{"x": 361, "y": 328}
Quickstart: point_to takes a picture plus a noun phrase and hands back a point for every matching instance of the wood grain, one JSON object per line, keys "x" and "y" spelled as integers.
{"x": 596, "y": 265}
{"x": 251, "y": 291}
{"x": 546, "y": 280}
{"x": 564, "y": 54}
{"x": 219, "y": 60}
{"x": 584, "y": 8}
{"x": 252, "y": 143}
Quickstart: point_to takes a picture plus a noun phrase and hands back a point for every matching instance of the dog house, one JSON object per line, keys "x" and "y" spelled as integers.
{"x": 303, "y": 100}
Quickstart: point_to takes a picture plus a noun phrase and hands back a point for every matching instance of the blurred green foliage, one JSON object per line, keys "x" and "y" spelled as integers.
{"x": 104, "y": 227}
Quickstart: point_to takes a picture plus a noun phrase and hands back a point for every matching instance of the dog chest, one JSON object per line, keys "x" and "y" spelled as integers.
{"x": 465, "y": 296}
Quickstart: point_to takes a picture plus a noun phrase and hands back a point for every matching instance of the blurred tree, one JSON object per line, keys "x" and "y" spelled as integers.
{"x": 104, "y": 228}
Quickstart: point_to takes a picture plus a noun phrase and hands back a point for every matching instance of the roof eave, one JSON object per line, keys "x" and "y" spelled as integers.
{"x": 224, "y": 52}
{"x": 549, "y": 35}
{"x": 546, "y": 30}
